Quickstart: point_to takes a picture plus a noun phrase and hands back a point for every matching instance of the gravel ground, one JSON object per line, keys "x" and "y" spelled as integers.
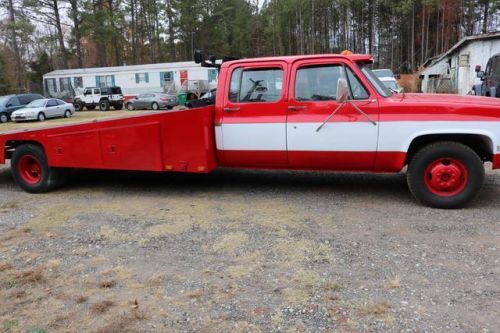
{"x": 246, "y": 251}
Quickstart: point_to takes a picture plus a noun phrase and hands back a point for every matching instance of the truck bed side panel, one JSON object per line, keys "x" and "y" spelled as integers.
{"x": 74, "y": 149}
{"x": 171, "y": 141}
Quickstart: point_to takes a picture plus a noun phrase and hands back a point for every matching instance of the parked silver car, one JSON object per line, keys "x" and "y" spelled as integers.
{"x": 42, "y": 109}
{"x": 153, "y": 101}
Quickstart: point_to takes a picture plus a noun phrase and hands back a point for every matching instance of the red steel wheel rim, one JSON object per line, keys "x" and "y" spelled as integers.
{"x": 30, "y": 169}
{"x": 446, "y": 177}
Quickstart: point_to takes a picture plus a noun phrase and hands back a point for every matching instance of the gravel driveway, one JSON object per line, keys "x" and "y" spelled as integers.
{"x": 246, "y": 251}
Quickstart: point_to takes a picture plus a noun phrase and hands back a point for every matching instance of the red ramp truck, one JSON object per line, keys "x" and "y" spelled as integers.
{"x": 320, "y": 112}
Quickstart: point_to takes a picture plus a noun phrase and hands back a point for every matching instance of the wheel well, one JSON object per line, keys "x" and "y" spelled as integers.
{"x": 104, "y": 99}
{"x": 481, "y": 144}
{"x": 11, "y": 145}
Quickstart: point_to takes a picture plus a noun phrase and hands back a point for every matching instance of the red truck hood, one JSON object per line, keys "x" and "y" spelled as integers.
{"x": 448, "y": 99}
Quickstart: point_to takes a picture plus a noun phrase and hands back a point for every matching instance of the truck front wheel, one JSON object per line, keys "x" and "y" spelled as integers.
{"x": 31, "y": 171}
{"x": 445, "y": 175}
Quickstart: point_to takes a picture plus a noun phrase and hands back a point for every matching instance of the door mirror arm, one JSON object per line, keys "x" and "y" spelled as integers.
{"x": 343, "y": 98}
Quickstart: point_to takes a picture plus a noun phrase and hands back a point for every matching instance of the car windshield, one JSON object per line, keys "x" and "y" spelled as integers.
{"x": 4, "y": 99}
{"x": 383, "y": 73}
{"x": 116, "y": 90}
{"x": 37, "y": 103}
{"x": 391, "y": 85}
{"x": 374, "y": 80}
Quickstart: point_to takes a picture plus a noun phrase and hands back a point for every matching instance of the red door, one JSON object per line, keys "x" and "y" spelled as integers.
{"x": 347, "y": 141}
{"x": 252, "y": 131}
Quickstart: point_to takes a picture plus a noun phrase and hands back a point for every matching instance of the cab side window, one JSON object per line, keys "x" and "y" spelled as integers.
{"x": 256, "y": 85}
{"x": 51, "y": 103}
{"x": 357, "y": 90}
{"x": 96, "y": 92}
{"x": 318, "y": 83}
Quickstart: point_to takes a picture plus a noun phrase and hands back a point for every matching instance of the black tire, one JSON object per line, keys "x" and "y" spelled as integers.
{"x": 104, "y": 105}
{"x": 4, "y": 117}
{"x": 67, "y": 114}
{"x": 78, "y": 106}
{"x": 118, "y": 106}
{"x": 33, "y": 181}
{"x": 155, "y": 106}
{"x": 41, "y": 116}
{"x": 130, "y": 107}
{"x": 170, "y": 107}
{"x": 445, "y": 175}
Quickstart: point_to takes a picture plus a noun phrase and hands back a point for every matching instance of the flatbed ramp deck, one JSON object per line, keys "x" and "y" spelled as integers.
{"x": 176, "y": 140}
{"x": 78, "y": 117}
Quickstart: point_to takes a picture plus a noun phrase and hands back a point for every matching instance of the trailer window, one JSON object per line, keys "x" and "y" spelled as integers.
{"x": 256, "y": 85}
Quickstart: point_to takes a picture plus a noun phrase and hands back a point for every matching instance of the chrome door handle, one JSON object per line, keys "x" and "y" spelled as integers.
{"x": 296, "y": 107}
{"x": 231, "y": 109}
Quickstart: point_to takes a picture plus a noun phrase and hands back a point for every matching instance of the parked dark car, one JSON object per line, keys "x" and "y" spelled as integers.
{"x": 11, "y": 103}
{"x": 491, "y": 78}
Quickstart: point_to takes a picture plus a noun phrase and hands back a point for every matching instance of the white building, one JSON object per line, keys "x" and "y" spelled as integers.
{"x": 135, "y": 79}
{"x": 454, "y": 71}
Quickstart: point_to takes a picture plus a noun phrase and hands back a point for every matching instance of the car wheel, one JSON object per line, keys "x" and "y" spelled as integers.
{"x": 155, "y": 106}
{"x": 118, "y": 106}
{"x": 78, "y": 106}
{"x": 130, "y": 106}
{"x": 67, "y": 114}
{"x": 4, "y": 118}
{"x": 170, "y": 107}
{"x": 41, "y": 116}
{"x": 104, "y": 105}
{"x": 31, "y": 171}
{"x": 445, "y": 175}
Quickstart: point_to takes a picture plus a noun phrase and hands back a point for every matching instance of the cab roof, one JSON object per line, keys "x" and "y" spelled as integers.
{"x": 366, "y": 58}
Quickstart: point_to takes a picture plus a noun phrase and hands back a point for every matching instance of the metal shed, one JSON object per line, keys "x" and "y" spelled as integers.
{"x": 454, "y": 71}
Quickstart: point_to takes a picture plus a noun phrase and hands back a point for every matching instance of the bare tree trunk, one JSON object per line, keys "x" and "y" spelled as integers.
{"x": 114, "y": 38}
{"x": 485, "y": 17}
{"x": 78, "y": 34}
{"x": 133, "y": 23}
{"x": 15, "y": 46}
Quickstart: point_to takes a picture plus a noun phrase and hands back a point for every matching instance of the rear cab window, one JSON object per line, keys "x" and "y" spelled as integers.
{"x": 256, "y": 85}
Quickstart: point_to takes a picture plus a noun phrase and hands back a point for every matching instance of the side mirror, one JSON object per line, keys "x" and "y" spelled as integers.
{"x": 342, "y": 91}
{"x": 199, "y": 56}
{"x": 478, "y": 68}
{"x": 480, "y": 74}
{"x": 8, "y": 105}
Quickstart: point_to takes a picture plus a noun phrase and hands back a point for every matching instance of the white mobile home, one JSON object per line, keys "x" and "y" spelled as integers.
{"x": 454, "y": 71}
{"x": 135, "y": 79}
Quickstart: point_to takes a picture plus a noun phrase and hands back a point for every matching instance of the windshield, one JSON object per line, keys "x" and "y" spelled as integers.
{"x": 383, "y": 73}
{"x": 374, "y": 80}
{"x": 391, "y": 85}
{"x": 116, "y": 90}
{"x": 4, "y": 99}
{"x": 37, "y": 103}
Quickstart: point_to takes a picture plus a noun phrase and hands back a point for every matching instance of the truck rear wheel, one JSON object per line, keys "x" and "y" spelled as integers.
{"x": 31, "y": 171}
{"x": 445, "y": 175}
{"x": 104, "y": 105}
{"x": 118, "y": 106}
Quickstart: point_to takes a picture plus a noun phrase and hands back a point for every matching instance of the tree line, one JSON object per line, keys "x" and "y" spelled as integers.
{"x": 37, "y": 36}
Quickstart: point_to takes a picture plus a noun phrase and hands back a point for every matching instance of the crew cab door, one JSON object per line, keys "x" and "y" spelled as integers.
{"x": 96, "y": 95}
{"x": 348, "y": 140}
{"x": 251, "y": 127}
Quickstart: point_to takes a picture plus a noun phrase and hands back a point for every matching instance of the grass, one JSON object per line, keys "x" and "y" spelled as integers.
{"x": 8, "y": 206}
{"x": 374, "y": 309}
{"x": 101, "y": 307}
